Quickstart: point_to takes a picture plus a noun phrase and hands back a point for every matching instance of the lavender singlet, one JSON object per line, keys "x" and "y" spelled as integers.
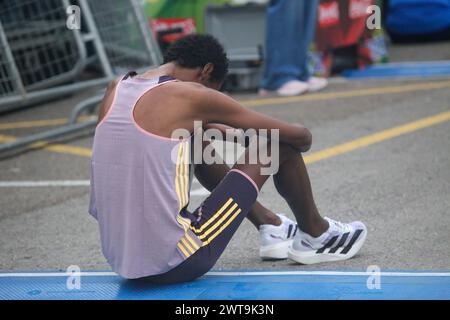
{"x": 139, "y": 185}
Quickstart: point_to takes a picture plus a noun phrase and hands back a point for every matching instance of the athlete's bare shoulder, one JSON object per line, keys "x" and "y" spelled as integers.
{"x": 107, "y": 99}
{"x": 189, "y": 93}
{"x": 183, "y": 87}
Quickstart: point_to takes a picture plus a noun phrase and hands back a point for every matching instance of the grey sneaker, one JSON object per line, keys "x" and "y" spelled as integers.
{"x": 276, "y": 240}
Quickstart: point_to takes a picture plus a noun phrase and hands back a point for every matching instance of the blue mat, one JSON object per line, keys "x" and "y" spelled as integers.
{"x": 249, "y": 285}
{"x": 399, "y": 70}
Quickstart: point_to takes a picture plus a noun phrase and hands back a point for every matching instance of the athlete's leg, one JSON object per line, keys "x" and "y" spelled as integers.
{"x": 222, "y": 212}
{"x": 210, "y": 175}
{"x": 293, "y": 184}
{"x": 216, "y": 221}
{"x": 321, "y": 240}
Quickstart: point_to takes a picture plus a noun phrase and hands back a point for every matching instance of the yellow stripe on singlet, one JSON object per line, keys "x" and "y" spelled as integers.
{"x": 183, "y": 249}
{"x": 180, "y": 189}
{"x": 186, "y": 244}
{"x": 186, "y": 173}
{"x": 186, "y": 226}
{"x": 183, "y": 221}
{"x": 177, "y": 177}
{"x": 181, "y": 176}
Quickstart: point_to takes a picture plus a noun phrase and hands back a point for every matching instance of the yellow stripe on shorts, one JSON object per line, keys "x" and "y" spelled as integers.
{"x": 222, "y": 228}
{"x": 214, "y": 217}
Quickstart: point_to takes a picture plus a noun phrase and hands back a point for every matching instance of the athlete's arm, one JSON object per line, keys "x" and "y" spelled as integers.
{"x": 219, "y": 126}
{"x": 215, "y": 107}
{"x": 228, "y": 133}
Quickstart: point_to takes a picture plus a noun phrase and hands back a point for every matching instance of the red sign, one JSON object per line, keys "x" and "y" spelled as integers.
{"x": 328, "y": 14}
{"x": 341, "y": 23}
{"x": 358, "y": 8}
{"x": 186, "y": 25}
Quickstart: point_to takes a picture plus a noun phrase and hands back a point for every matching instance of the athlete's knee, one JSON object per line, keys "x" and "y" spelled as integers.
{"x": 286, "y": 151}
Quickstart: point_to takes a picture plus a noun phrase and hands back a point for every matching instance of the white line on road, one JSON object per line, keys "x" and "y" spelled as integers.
{"x": 48, "y": 183}
{"x": 76, "y": 183}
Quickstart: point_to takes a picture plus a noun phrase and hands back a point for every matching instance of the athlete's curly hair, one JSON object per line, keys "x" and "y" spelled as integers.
{"x": 197, "y": 50}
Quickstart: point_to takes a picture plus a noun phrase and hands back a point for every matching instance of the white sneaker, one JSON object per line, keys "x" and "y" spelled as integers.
{"x": 290, "y": 88}
{"x": 276, "y": 240}
{"x": 340, "y": 242}
{"x": 293, "y": 88}
{"x": 316, "y": 84}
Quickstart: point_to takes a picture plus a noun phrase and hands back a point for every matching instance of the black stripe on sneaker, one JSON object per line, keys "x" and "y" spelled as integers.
{"x": 328, "y": 244}
{"x": 295, "y": 230}
{"x": 290, "y": 230}
{"x": 352, "y": 241}
{"x": 341, "y": 243}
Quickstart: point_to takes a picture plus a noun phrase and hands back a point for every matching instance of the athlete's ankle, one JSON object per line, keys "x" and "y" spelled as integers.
{"x": 262, "y": 216}
{"x": 271, "y": 218}
{"x": 274, "y": 220}
{"x": 315, "y": 228}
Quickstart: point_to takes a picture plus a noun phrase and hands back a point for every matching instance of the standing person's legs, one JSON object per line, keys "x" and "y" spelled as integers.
{"x": 306, "y": 35}
{"x": 284, "y": 46}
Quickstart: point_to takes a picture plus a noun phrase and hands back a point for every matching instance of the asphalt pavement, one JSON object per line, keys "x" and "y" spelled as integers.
{"x": 377, "y": 156}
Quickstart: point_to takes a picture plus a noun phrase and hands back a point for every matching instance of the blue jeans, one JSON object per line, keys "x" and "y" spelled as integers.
{"x": 289, "y": 33}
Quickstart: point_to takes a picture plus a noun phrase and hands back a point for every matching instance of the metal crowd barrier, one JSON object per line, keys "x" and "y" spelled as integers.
{"x": 41, "y": 59}
{"x": 37, "y": 51}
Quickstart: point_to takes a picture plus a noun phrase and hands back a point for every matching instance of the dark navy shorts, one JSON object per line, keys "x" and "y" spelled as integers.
{"x": 214, "y": 222}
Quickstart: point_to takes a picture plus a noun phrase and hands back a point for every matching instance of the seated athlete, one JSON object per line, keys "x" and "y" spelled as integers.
{"x": 141, "y": 175}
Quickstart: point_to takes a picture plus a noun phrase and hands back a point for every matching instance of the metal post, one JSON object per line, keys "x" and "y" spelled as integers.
{"x": 87, "y": 14}
{"x": 11, "y": 63}
{"x": 149, "y": 39}
{"x": 72, "y": 127}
